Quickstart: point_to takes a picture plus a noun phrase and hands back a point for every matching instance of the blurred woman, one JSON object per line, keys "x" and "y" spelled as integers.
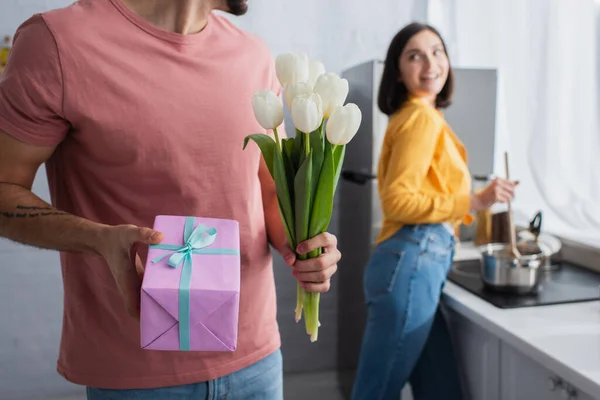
{"x": 425, "y": 191}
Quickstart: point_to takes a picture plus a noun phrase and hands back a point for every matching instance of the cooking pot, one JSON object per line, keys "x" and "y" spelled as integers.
{"x": 530, "y": 241}
{"x": 501, "y": 271}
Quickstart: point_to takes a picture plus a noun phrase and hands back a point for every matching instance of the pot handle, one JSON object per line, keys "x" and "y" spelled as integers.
{"x": 535, "y": 226}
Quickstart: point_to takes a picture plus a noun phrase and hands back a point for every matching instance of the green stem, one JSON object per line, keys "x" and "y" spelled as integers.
{"x": 308, "y": 312}
{"x": 314, "y": 313}
{"x": 307, "y": 152}
{"x": 321, "y": 128}
{"x": 307, "y": 144}
{"x": 311, "y": 315}
{"x": 307, "y": 303}
{"x": 277, "y": 140}
{"x": 299, "y": 301}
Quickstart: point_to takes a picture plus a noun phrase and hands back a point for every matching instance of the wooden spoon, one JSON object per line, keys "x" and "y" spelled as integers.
{"x": 512, "y": 233}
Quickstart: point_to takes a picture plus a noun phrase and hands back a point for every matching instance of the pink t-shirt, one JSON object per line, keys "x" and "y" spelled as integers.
{"x": 146, "y": 122}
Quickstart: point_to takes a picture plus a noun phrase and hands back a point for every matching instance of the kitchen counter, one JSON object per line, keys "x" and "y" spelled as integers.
{"x": 563, "y": 338}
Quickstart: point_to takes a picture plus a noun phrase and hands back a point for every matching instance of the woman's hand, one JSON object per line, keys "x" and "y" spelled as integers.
{"x": 498, "y": 191}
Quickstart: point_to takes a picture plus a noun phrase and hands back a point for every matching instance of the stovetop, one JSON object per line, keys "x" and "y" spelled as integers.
{"x": 568, "y": 283}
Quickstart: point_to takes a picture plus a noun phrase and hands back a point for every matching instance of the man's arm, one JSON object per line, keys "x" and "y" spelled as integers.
{"x": 32, "y": 124}
{"x": 27, "y": 219}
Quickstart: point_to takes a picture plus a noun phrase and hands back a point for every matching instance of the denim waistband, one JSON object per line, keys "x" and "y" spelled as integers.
{"x": 433, "y": 232}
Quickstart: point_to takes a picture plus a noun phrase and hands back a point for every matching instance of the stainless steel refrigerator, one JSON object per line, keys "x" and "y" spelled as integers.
{"x": 473, "y": 118}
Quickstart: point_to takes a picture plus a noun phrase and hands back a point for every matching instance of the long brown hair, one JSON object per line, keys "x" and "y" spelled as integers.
{"x": 392, "y": 92}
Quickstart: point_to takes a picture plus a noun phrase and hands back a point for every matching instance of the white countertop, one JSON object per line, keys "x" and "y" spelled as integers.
{"x": 564, "y": 338}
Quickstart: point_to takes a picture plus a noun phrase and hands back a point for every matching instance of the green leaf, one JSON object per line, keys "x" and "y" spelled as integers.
{"x": 283, "y": 195}
{"x": 316, "y": 144}
{"x": 267, "y": 148}
{"x": 302, "y": 199}
{"x": 338, "y": 160}
{"x": 288, "y": 233}
{"x": 300, "y": 149}
{"x": 290, "y": 170}
{"x": 323, "y": 201}
{"x": 288, "y": 147}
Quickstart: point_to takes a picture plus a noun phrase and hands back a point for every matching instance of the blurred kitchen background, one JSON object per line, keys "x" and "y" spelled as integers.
{"x": 528, "y": 82}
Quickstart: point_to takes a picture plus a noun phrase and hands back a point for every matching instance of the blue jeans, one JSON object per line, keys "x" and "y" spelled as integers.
{"x": 406, "y": 337}
{"x": 262, "y": 380}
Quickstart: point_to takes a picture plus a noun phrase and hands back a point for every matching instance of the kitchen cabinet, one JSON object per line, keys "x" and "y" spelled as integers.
{"x": 524, "y": 379}
{"x": 478, "y": 354}
{"x": 492, "y": 369}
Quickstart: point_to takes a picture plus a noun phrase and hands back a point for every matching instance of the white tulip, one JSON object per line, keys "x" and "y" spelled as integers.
{"x": 307, "y": 112}
{"x": 296, "y": 89}
{"x": 333, "y": 91}
{"x": 315, "y": 70}
{"x": 343, "y": 124}
{"x": 291, "y": 68}
{"x": 268, "y": 109}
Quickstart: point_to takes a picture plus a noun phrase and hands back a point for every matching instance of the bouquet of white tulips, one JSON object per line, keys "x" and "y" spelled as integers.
{"x": 306, "y": 168}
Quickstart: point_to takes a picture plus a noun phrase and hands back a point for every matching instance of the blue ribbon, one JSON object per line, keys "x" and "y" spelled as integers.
{"x": 195, "y": 241}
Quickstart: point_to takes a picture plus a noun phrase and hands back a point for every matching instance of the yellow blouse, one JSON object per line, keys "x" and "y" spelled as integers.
{"x": 422, "y": 174}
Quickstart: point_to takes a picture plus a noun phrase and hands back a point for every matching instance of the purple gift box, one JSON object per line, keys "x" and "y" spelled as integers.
{"x": 190, "y": 291}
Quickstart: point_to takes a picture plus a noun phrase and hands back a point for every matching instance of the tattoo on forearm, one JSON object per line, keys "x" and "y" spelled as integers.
{"x": 31, "y": 212}
{"x": 33, "y": 208}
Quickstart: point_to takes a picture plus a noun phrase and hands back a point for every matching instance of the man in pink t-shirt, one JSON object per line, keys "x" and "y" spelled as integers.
{"x": 139, "y": 108}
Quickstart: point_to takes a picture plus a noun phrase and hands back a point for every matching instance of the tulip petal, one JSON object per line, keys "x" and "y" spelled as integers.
{"x": 291, "y": 68}
{"x": 295, "y": 89}
{"x": 307, "y": 112}
{"x": 343, "y": 124}
{"x": 333, "y": 91}
{"x": 268, "y": 109}
{"x": 315, "y": 70}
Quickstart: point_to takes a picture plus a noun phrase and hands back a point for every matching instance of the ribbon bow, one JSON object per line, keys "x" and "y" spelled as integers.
{"x": 195, "y": 241}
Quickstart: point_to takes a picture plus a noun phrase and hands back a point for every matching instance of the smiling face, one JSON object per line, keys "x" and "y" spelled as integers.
{"x": 424, "y": 65}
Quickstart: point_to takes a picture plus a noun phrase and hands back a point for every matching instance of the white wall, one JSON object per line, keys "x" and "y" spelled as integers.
{"x": 598, "y": 47}
{"x": 14, "y": 12}
{"x": 340, "y": 33}
{"x": 546, "y": 54}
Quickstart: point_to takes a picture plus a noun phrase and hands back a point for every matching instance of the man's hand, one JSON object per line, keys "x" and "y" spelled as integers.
{"x": 118, "y": 249}
{"x": 314, "y": 274}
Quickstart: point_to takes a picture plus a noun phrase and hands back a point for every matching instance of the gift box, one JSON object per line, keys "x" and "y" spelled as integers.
{"x": 191, "y": 285}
